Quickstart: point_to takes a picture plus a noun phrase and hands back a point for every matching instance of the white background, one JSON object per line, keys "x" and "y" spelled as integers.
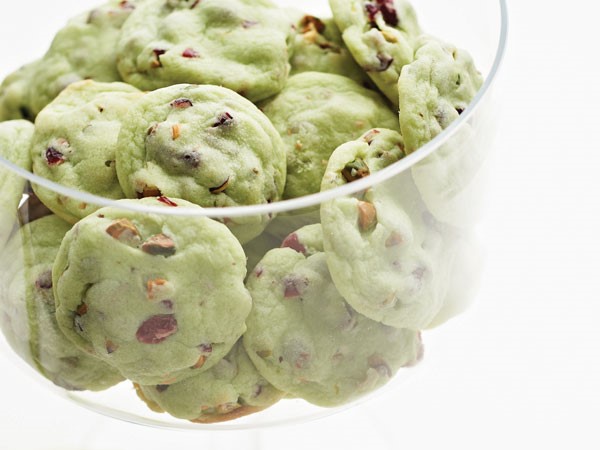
{"x": 520, "y": 369}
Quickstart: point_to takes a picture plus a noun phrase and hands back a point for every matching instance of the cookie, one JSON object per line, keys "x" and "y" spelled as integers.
{"x": 14, "y": 94}
{"x": 306, "y": 340}
{"x": 317, "y": 46}
{"x": 382, "y": 254}
{"x": 160, "y": 297}
{"x": 74, "y": 144}
{"x": 83, "y": 49}
{"x": 30, "y": 307}
{"x": 314, "y": 114}
{"x": 434, "y": 90}
{"x": 374, "y": 150}
{"x": 205, "y": 144}
{"x": 15, "y": 139}
{"x": 380, "y": 36}
{"x": 231, "y": 389}
{"x": 238, "y": 44}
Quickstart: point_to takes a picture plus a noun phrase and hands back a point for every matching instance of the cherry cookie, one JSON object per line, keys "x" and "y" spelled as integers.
{"x": 160, "y": 297}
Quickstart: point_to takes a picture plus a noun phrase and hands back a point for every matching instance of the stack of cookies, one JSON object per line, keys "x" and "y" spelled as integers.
{"x": 164, "y": 107}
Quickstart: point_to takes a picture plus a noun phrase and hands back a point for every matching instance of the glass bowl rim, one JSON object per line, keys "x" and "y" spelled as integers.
{"x": 301, "y": 202}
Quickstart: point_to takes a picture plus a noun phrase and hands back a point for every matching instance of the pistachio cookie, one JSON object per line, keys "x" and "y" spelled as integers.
{"x": 306, "y": 340}
{"x": 382, "y": 254}
{"x": 160, "y": 297}
{"x": 318, "y": 47}
{"x": 15, "y": 139}
{"x": 231, "y": 389}
{"x": 74, "y": 144}
{"x": 380, "y": 36}
{"x": 314, "y": 114}
{"x": 30, "y": 294}
{"x": 15, "y": 101}
{"x": 239, "y": 44}
{"x": 205, "y": 144}
{"x": 83, "y": 49}
{"x": 434, "y": 90}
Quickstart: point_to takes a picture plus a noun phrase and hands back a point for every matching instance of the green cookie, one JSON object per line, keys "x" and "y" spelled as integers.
{"x": 314, "y": 114}
{"x": 14, "y": 94}
{"x": 374, "y": 150}
{"x": 231, "y": 389}
{"x": 74, "y": 144}
{"x": 205, "y": 144}
{"x": 381, "y": 251}
{"x": 380, "y": 35}
{"x": 238, "y": 44}
{"x": 318, "y": 47}
{"x": 159, "y": 297}
{"x": 83, "y": 49}
{"x": 434, "y": 90}
{"x": 29, "y": 305}
{"x": 15, "y": 139}
{"x": 306, "y": 340}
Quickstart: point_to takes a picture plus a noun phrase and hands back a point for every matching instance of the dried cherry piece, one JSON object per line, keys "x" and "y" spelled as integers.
{"x": 167, "y": 201}
{"x": 158, "y": 52}
{"x": 388, "y": 12}
{"x": 223, "y": 119}
{"x": 54, "y": 157}
{"x": 293, "y": 242}
{"x": 190, "y": 53}
{"x": 181, "y": 103}
{"x": 156, "y": 329}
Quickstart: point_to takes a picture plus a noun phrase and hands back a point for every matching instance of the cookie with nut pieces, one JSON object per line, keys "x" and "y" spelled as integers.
{"x": 204, "y": 144}
{"x": 381, "y": 251}
{"x": 74, "y": 144}
{"x": 158, "y": 296}
{"x": 306, "y": 340}
{"x": 239, "y": 44}
{"x": 314, "y": 114}
{"x": 380, "y": 36}
{"x": 231, "y": 389}
{"x": 27, "y": 311}
{"x": 83, "y": 49}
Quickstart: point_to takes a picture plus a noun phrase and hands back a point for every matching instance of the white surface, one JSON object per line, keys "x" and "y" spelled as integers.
{"x": 521, "y": 369}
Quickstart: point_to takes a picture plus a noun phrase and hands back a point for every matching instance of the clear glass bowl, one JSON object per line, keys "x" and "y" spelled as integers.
{"x": 441, "y": 185}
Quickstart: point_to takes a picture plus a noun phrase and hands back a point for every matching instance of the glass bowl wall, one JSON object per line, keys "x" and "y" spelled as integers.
{"x": 440, "y": 187}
